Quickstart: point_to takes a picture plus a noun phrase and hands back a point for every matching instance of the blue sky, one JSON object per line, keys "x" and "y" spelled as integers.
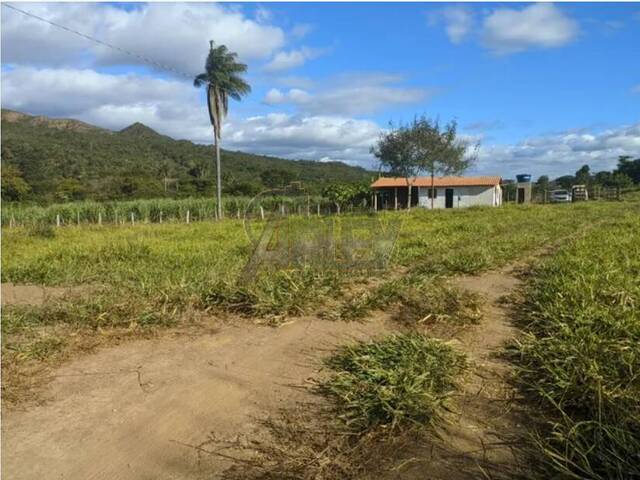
{"x": 544, "y": 88}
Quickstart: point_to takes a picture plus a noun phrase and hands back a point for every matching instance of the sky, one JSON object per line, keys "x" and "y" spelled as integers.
{"x": 544, "y": 88}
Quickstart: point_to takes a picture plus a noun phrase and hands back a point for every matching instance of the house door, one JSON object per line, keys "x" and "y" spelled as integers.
{"x": 520, "y": 195}
{"x": 448, "y": 198}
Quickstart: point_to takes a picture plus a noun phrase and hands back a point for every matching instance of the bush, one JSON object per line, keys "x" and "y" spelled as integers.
{"x": 394, "y": 382}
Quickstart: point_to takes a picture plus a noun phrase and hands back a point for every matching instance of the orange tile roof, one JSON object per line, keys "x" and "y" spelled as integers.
{"x": 437, "y": 182}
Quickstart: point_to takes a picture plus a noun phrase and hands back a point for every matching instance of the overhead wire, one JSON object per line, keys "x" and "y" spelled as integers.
{"x": 103, "y": 43}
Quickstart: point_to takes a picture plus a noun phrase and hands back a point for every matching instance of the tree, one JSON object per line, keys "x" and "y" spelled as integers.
{"x": 424, "y": 146}
{"x": 276, "y": 177}
{"x": 583, "y": 175}
{"x": 631, "y": 168}
{"x": 222, "y": 77}
{"x": 14, "y": 187}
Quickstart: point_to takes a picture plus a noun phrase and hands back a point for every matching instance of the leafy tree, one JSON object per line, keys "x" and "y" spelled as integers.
{"x": 342, "y": 194}
{"x": 423, "y": 146}
{"x": 615, "y": 179}
{"x": 70, "y": 189}
{"x": 276, "y": 177}
{"x": 566, "y": 181}
{"x": 14, "y": 187}
{"x": 583, "y": 175}
{"x": 630, "y": 168}
{"x": 222, "y": 77}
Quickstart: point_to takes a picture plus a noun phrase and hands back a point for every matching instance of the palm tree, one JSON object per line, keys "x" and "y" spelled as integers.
{"x": 222, "y": 79}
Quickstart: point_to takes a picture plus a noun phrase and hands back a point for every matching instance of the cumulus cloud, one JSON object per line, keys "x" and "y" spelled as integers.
{"x": 562, "y": 153}
{"x": 354, "y": 94}
{"x": 458, "y": 22}
{"x": 293, "y": 59}
{"x": 173, "y": 34}
{"x": 508, "y": 30}
{"x": 174, "y": 108}
{"x": 306, "y": 137}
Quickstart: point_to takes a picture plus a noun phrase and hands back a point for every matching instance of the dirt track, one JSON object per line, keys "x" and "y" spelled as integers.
{"x": 125, "y": 412}
{"x": 118, "y": 414}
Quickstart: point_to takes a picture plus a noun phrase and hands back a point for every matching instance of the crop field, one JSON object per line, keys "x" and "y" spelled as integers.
{"x": 577, "y": 361}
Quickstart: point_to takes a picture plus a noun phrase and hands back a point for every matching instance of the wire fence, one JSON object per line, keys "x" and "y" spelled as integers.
{"x": 160, "y": 210}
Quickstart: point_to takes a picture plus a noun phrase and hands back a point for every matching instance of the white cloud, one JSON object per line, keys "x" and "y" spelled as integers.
{"x": 174, "y": 34}
{"x": 174, "y": 108}
{"x": 354, "y": 94}
{"x": 508, "y": 30}
{"x": 301, "y": 30}
{"x": 306, "y": 137}
{"x": 458, "y": 23}
{"x": 562, "y": 153}
{"x": 293, "y": 59}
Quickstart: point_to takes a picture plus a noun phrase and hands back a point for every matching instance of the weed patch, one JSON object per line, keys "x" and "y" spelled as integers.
{"x": 580, "y": 357}
{"x": 391, "y": 383}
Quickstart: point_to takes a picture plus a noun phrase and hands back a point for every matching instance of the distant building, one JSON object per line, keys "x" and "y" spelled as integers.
{"x": 449, "y": 192}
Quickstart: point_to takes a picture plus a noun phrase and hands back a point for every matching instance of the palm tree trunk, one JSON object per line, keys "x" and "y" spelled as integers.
{"x": 218, "y": 177}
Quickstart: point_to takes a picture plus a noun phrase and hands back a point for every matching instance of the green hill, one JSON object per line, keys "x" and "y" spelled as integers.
{"x": 48, "y": 160}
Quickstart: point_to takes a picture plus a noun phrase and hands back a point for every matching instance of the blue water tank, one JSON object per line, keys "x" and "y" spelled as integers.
{"x": 523, "y": 178}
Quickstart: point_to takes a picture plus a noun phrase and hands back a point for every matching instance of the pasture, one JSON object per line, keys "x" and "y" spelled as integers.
{"x": 123, "y": 282}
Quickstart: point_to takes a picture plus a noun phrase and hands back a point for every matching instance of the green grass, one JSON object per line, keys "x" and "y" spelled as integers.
{"x": 580, "y": 357}
{"x": 391, "y": 383}
{"x": 418, "y": 300}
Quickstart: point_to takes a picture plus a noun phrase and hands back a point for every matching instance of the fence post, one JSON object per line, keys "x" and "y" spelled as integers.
{"x": 99, "y": 218}
{"x": 261, "y": 212}
{"x": 116, "y": 213}
{"x": 58, "y": 220}
{"x": 238, "y": 212}
{"x": 188, "y": 215}
{"x": 318, "y": 209}
{"x": 78, "y": 216}
{"x": 160, "y": 216}
{"x": 133, "y": 222}
{"x": 12, "y": 222}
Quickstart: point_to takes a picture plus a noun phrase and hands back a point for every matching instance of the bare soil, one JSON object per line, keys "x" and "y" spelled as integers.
{"x": 128, "y": 411}
{"x": 484, "y": 433}
{"x": 12, "y": 294}
{"x": 131, "y": 411}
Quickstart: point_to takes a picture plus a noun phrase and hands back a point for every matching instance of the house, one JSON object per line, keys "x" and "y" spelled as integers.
{"x": 449, "y": 192}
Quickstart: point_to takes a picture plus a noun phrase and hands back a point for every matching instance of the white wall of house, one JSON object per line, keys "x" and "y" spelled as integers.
{"x": 462, "y": 197}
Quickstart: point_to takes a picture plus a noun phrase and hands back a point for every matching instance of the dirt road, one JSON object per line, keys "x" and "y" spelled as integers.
{"x": 127, "y": 411}
{"x": 118, "y": 414}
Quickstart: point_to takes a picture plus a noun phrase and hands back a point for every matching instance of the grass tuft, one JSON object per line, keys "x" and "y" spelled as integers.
{"x": 392, "y": 383}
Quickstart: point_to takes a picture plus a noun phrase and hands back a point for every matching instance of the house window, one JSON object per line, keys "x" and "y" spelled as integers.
{"x": 432, "y": 192}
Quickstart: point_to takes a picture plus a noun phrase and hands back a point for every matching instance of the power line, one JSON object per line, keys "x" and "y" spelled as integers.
{"x": 104, "y": 44}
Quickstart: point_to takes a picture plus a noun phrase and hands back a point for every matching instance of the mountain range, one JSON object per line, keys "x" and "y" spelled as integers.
{"x": 47, "y": 160}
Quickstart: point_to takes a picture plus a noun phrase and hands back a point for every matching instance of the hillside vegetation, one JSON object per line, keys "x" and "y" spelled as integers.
{"x": 47, "y": 160}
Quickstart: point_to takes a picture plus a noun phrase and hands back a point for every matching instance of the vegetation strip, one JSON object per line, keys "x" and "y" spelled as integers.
{"x": 579, "y": 360}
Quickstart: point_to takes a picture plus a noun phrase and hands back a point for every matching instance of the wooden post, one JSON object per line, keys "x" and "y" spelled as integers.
{"x": 160, "y": 216}
{"x": 58, "y": 220}
{"x": 261, "y": 212}
{"x": 375, "y": 201}
{"x": 78, "y": 216}
{"x": 282, "y": 208}
{"x": 188, "y": 215}
{"x": 12, "y": 222}
{"x": 395, "y": 198}
{"x": 318, "y": 208}
{"x": 238, "y": 213}
{"x": 99, "y": 218}
{"x": 133, "y": 222}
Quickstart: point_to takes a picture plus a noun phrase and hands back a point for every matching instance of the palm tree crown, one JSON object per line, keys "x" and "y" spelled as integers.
{"x": 223, "y": 80}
